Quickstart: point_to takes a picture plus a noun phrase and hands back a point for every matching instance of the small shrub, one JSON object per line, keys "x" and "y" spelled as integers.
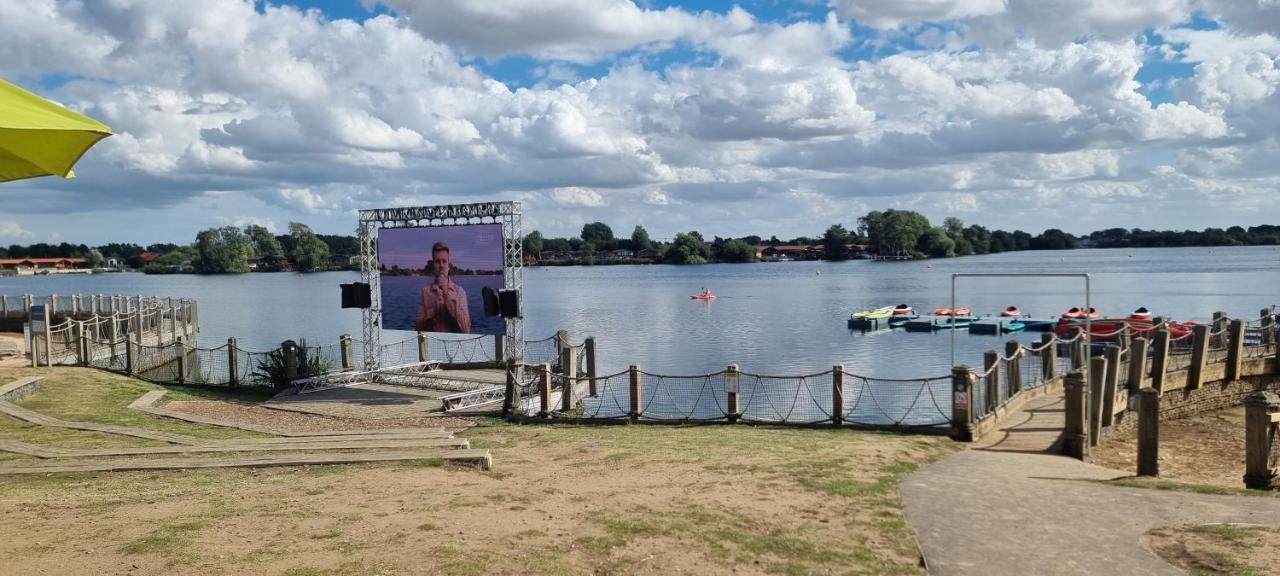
{"x": 271, "y": 368}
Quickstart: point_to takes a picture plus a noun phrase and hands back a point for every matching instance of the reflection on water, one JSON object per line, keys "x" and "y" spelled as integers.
{"x": 774, "y": 318}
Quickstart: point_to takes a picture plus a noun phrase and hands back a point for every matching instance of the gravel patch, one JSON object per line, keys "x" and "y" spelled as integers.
{"x": 287, "y": 421}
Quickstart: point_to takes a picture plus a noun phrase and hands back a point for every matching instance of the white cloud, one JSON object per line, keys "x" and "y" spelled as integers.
{"x": 579, "y": 30}
{"x": 577, "y": 197}
{"x": 305, "y": 199}
{"x": 895, "y": 13}
{"x": 13, "y": 230}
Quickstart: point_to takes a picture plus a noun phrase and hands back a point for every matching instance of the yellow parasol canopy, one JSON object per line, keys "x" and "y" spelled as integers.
{"x": 41, "y": 138}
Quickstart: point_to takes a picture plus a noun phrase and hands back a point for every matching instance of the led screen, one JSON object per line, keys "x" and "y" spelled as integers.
{"x": 432, "y": 278}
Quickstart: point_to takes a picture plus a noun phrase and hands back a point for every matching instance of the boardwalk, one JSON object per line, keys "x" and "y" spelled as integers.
{"x": 1012, "y": 506}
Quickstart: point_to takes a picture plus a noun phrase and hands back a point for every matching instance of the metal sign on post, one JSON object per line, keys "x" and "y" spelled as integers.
{"x": 39, "y": 318}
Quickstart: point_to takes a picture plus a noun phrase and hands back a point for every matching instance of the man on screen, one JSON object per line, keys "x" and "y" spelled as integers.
{"x": 444, "y": 304}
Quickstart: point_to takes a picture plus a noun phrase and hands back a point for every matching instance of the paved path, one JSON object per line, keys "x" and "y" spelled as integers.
{"x": 1009, "y": 507}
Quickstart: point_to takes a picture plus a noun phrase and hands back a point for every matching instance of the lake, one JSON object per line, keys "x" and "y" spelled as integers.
{"x": 774, "y": 318}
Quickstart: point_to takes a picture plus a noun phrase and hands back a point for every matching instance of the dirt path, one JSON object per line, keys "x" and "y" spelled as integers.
{"x": 15, "y": 340}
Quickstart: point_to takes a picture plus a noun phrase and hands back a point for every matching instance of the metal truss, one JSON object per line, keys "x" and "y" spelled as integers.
{"x": 473, "y": 398}
{"x": 371, "y": 221}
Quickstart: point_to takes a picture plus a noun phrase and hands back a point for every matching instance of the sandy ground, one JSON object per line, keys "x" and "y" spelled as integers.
{"x": 285, "y": 420}
{"x": 1204, "y": 449}
{"x": 1219, "y": 548}
{"x": 560, "y": 500}
{"x": 13, "y": 360}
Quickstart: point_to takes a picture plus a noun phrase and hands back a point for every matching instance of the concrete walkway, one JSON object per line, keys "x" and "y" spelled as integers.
{"x": 1008, "y": 506}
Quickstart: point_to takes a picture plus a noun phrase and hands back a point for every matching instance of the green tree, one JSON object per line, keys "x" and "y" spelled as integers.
{"x": 93, "y": 258}
{"x": 935, "y": 242}
{"x": 222, "y": 250}
{"x": 309, "y": 252}
{"x": 979, "y": 239}
{"x": 893, "y": 232}
{"x": 597, "y": 233}
{"x": 640, "y": 239}
{"x": 687, "y": 248}
{"x": 738, "y": 251}
{"x": 835, "y": 243}
{"x": 532, "y": 244}
{"x": 264, "y": 243}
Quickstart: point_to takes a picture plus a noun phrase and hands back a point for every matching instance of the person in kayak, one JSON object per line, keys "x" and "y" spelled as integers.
{"x": 705, "y": 292}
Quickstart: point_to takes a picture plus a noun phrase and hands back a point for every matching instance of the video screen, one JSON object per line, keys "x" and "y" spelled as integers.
{"x": 432, "y": 278}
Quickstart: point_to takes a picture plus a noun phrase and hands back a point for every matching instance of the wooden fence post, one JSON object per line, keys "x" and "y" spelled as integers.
{"x": 731, "y": 377}
{"x": 1077, "y": 355}
{"x": 544, "y": 390}
{"x": 1137, "y": 364}
{"x": 962, "y": 381}
{"x": 499, "y": 349}
{"x": 1220, "y": 320}
{"x": 991, "y": 367}
{"x": 1199, "y": 356}
{"x": 592, "y": 374}
{"x": 1013, "y": 369}
{"x": 1235, "y": 349}
{"x": 1267, "y": 321}
{"x": 1076, "y": 432}
{"x": 233, "y": 362}
{"x": 348, "y": 357}
{"x": 129, "y": 359}
{"x": 635, "y": 392}
{"x": 1262, "y": 415}
{"x": 837, "y": 394}
{"x": 182, "y": 359}
{"x": 1110, "y": 384}
{"x": 1097, "y": 379}
{"x": 1148, "y": 432}
{"x": 568, "y": 365}
{"x": 77, "y": 335}
{"x": 1049, "y": 355}
{"x": 515, "y": 374}
{"x": 1160, "y": 359}
{"x": 424, "y": 353}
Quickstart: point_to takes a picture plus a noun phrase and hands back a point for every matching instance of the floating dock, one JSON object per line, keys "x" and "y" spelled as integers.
{"x": 931, "y": 323}
{"x": 865, "y": 323}
{"x": 997, "y": 325}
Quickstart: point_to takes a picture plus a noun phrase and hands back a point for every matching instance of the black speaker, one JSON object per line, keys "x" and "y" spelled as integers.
{"x": 356, "y": 295}
{"x": 509, "y": 303}
{"x": 490, "y": 297}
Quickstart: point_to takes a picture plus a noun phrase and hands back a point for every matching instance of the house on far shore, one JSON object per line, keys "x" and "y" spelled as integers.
{"x": 787, "y": 252}
{"x": 270, "y": 264}
{"x": 648, "y": 253}
{"x": 149, "y": 257}
{"x": 25, "y": 266}
{"x": 620, "y": 254}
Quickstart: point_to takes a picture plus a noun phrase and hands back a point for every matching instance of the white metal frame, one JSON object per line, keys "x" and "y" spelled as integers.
{"x": 371, "y": 221}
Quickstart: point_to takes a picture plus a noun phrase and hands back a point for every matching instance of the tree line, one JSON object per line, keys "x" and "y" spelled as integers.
{"x": 227, "y": 249}
{"x": 888, "y": 233}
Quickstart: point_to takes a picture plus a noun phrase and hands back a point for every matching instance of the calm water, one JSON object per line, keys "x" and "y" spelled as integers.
{"x": 778, "y": 318}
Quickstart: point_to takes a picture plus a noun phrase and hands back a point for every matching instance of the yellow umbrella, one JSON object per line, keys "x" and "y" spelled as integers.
{"x": 41, "y": 138}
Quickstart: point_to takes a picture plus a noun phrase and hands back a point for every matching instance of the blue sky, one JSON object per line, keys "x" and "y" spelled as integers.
{"x": 731, "y": 118}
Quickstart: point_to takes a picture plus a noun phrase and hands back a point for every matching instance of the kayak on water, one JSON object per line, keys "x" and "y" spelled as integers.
{"x": 703, "y": 296}
{"x": 902, "y": 310}
{"x": 958, "y": 311}
{"x": 1080, "y": 313}
{"x": 883, "y": 312}
{"x": 1011, "y": 311}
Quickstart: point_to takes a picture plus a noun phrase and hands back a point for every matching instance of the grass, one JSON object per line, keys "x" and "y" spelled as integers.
{"x": 788, "y": 500}
{"x": 88, "y": 395}
{"x": 1160, "y": 484}
{"x": 1217, "y": 549}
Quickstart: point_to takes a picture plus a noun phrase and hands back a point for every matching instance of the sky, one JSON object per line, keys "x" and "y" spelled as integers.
{"x": 756, "y": 117}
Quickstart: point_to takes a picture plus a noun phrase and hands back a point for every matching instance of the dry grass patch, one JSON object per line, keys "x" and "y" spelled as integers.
{"x": 561, "y": 499}
{"x": 1204, "y": 449}
{"x": 1237, "y": 550}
